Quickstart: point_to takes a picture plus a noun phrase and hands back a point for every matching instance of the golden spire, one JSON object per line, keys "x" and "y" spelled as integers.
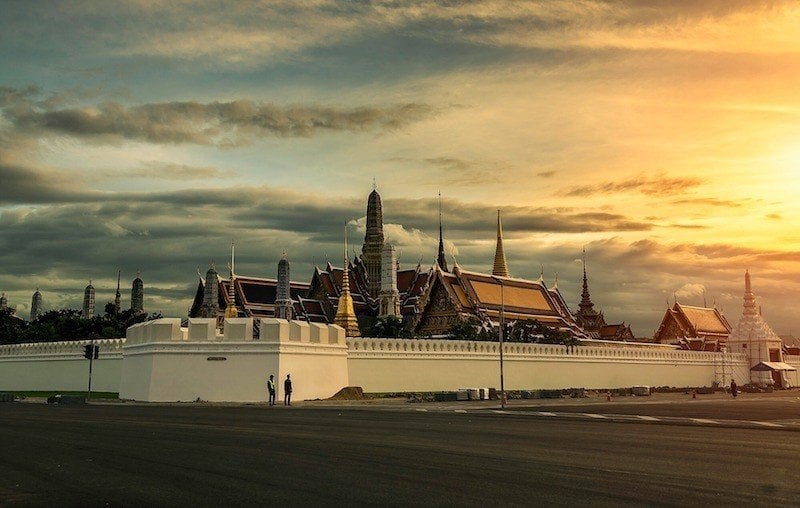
{"x": 345, "y": 313}
{"x": 500, "y": 269}
{"x": 230, "y": 310}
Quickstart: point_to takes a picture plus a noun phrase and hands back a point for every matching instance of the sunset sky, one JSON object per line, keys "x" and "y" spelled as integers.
{"x": 664, "y": 137}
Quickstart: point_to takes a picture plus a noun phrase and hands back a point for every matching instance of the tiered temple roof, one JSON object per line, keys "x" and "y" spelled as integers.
{"x": 696, "y": 328}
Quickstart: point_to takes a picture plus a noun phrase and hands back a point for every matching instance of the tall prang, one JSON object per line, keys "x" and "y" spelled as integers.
{"x": 137, "y": 294}
{"x": 283, "y": 298}
{"x": 88, "y": 302}
{"x": 499, "y": 269}
{"x": 389, "y": 297}
{"x": 210, "y": 307}
{"x": 440, "y": 257}
{"x": 373, "y": 243}
{"x": 36, "y": 305}
{"x": 117, "y": 299}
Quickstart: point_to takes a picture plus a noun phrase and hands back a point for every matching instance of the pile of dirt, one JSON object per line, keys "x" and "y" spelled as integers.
{"x": 349, "y": 393}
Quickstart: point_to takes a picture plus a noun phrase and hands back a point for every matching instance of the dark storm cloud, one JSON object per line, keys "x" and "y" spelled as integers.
{"x": 215, "y": 123}
{"x": 658, "y": 186}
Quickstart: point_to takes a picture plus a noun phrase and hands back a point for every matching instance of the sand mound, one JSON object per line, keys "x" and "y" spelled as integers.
{"x": 349, "y": 393}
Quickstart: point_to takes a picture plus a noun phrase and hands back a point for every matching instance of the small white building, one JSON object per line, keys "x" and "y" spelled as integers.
{"x": 754, "y": 337}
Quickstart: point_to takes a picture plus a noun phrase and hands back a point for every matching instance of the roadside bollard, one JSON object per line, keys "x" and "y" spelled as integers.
{"x": 694, "y": 394}
{"x": 608, "y": 396}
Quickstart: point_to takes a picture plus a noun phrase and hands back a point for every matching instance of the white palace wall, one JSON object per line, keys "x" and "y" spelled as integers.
{"x": 160, "y": 361}
{"x": 164, "y": 363}
{"x": 389, "y": 365}
{"x": 60, "y": 366}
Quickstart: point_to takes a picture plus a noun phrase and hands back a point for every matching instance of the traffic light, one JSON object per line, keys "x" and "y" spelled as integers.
{"x": 90, "y": 351}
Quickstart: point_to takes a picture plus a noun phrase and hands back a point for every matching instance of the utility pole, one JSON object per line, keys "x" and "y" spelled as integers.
{"x": 91, "y": 352}
{"x": 502, "y": 330}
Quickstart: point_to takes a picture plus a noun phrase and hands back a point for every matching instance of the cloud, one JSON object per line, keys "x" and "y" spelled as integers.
{"x": 658, "y": 186}
{"x": 214, "y": 123}
{"x": 690, "y": 290}
{"x": 725, "y": 203}
{"x": 546, "y": 174}
{"x": 166, "y": 171}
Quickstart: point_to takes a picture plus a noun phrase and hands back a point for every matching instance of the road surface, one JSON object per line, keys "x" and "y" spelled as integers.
{"x": 209, "y": 455}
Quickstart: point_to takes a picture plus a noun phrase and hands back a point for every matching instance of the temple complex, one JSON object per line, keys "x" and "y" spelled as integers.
{"x": 429, "y": 301}
{"x": 754, "y": 337}
{"x": 695, "y": 328}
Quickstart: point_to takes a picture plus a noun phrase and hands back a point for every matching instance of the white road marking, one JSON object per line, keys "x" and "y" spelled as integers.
{"x": 768, "y": 424}
{"x": 546, "y": 413}
{"x": 460, "y": 411}
{"x": 648, "y": 418}
{"x": 593, "y": 415}
{"x": 500, "y": 412}
{"x": 422, "y": 410}
{"x": 702, "y": 420}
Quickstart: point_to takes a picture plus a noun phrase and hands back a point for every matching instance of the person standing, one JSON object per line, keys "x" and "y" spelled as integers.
{"x": 271, "y": 389}
{"x": 287, "y": 391}
{"x": 733, "y": 387}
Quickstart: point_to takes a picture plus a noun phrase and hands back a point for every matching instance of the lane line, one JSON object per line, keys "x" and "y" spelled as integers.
{"x": 546, "y": 413}
{"x": 648, "y": 418}
{"x": 460, "y": 411}
{"x": 703, "y": 420}
{"x": 593, "y": 415}
{"x": 500, "y": 412}
{"x": 422, "y": 410}
{"x": 768, "y": 424}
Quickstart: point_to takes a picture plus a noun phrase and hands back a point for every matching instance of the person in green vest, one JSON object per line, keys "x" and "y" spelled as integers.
{"x": 271, "y": 389}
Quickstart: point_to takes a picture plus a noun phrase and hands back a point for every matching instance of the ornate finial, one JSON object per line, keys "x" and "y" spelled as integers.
{"x": 555, "y": 284}
{"x": 283, "y": 254}
{"x": 374, "y": 184}
{"x": 441, "y": 259}
{"x": 541, "y": 272}
{"x": 500, "y": 268}
{"x": 231, "y": 311}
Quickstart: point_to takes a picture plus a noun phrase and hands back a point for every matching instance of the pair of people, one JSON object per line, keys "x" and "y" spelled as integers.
{"x": 287, "y": 390}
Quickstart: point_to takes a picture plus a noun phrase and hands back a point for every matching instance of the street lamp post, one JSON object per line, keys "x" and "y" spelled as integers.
{"x": 502, "y": 330}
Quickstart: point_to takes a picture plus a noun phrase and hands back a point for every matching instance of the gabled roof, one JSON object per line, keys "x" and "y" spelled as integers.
{"x": 703, "y": 321}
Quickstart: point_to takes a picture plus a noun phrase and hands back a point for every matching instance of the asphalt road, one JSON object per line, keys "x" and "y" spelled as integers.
{"x": 190, "y": 455}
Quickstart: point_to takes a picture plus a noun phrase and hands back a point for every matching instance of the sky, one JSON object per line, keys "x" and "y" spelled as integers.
{"x": 662, "y": 137}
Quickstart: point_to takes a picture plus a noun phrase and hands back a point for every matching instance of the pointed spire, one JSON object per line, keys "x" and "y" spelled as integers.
{"x": 117, "y": 296}
{"x": 749, "y": 297}
{"x": 541, "y": 273}
{"x": 586, "y": 298}
{"x": 231, "y": 311}
{"x": 345, "y": 313}
{"x": 555, "y": 284}
{"x": 440, "y": 258}
{"x": 500, "y": 269}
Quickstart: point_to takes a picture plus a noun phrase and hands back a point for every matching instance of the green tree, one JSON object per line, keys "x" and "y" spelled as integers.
{"x": 12, "y": 328}
{"x": 388, "y": 326}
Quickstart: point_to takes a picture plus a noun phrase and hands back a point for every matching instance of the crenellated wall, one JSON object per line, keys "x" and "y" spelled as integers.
{"x": 162, "y": 361}
{"x": 60, "y": 366}
{"x": 388, "y": 365}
